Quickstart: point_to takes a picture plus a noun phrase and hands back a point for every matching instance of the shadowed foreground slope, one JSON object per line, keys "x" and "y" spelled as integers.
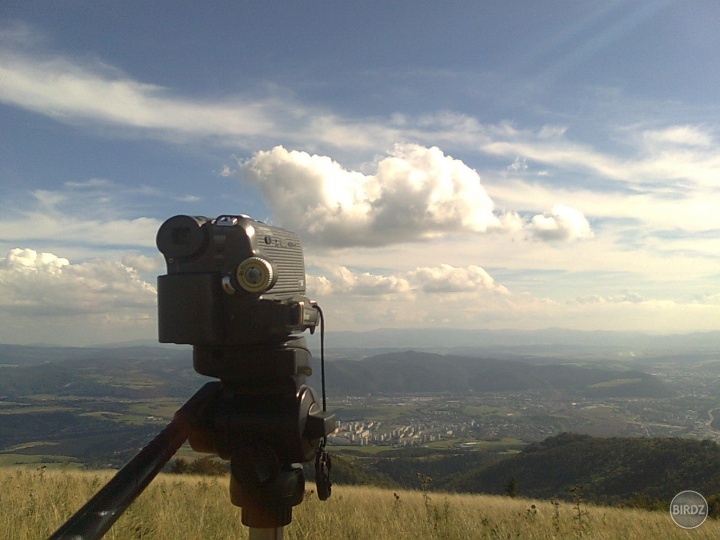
{"x": 34, "y": 503}
{"x": 610, "y": 470}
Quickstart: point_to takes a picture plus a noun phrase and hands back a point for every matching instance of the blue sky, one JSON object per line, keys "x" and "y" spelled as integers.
{"x": 468, "y": 165}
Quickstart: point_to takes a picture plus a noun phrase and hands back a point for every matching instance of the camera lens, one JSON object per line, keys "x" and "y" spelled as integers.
{"x": 182, "y": 237}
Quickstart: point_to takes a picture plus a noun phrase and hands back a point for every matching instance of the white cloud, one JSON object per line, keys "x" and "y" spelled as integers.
{"x": 561, "y": 223}
{"x": 658, "y": 159}
{"x": 65, "y": 89}
{"x": 27, "y": 261}
{"x": 468, "y": 297}
{"x": 73, "y": 303}
{"x": 708, "y": 298}
{"x": 47, "y": 200}
{"x": 72, "y": 229}
{"x": 367, "y": 284}
{"x": 441, "y": 279}
{"x": 631, "y": 312}
{"x": 449, "y": 279}
{"x": 80, "y": 215}
{"x": 646, "y": 210}
{"x": 142, "y": 263}
{"x": 416, "y": 193}
{"x": 424, "y": 296}
{"x": 70, "y": 90}
{"x": 686, "y": 135}
{"x": 42, "y": 284}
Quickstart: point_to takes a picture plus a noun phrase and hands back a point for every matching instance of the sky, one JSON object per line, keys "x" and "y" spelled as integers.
{"x": 472, "y": 165}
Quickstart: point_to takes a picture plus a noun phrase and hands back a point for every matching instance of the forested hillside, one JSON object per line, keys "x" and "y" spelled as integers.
{"x": 613, "y": 470}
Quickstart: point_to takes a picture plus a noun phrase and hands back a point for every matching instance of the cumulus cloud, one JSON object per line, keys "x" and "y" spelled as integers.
{"x": 449, "y": 279}
{"x": 562, "y": 223}
{"x": 466, "y": 296}
{"x": 437, "y": 295}
{"x": 367, "y": 284}
{"x": 143, "y": 263}
{"x": 442, "y": 279}
{"x": 27, "y": 261}
{"x": 416, "y": 193}
{"x": 45, "y": 285}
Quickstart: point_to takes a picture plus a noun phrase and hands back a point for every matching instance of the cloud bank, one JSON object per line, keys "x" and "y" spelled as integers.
{"x": 423, "y": 296}
{"x": 442, "y": 279}
{"x": 44, "y": 285}
{"x": 48, "y": 298}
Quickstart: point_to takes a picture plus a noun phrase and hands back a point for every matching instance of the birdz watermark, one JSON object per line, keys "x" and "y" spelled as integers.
{"x": 688, "y": 509}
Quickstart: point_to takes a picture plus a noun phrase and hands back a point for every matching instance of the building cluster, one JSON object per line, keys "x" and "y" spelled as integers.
{"x": 408, "y": 421}
{"x": 376, "y": 433}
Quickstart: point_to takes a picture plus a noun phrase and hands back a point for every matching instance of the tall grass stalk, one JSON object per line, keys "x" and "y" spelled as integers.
{"x": 33, "y": 504}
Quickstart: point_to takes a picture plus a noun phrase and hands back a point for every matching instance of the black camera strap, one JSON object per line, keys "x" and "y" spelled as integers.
{"x": 323, "y": 464}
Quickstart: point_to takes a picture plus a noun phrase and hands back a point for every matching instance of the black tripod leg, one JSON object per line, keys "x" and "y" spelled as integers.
{"x": 95, "y": 518}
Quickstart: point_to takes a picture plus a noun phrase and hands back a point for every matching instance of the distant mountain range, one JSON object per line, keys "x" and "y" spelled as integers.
{"x": 168, "y": 371}
{"x": 131, "y": 372}
{"x": 516, "y": 344}
{"x": 413, "y": 371}
{"x": 40, "y": 354}
{"x": 481, "y": 339}
{"x": 538, "y": 340}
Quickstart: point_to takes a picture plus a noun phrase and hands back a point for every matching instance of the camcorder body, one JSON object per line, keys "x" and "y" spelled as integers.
{"x": 231, "y": 281}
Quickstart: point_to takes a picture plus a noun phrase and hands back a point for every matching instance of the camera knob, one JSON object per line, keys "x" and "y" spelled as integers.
{"x": 255, "y": 275}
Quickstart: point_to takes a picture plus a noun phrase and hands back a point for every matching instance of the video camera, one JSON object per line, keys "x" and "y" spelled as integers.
{"x": 234, "y": 288}
{"x": 235, "y": 291}
{"x": 231, "y": 281}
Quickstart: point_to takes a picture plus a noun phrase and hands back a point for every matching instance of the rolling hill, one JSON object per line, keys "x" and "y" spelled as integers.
{"x": 413, "y": 371}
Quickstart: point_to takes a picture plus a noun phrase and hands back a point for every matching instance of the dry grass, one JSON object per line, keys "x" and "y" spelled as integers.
{"x": 33, "y": 504}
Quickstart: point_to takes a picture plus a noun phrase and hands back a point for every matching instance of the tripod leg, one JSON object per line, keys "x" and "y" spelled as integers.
{"x": 97, "y": 515}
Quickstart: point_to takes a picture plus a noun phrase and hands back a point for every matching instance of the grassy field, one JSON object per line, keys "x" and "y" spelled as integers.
{"x": 34, "y": 503}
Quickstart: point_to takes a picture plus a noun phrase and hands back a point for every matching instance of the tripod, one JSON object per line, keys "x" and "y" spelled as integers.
{"x": 260, "y": 415}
